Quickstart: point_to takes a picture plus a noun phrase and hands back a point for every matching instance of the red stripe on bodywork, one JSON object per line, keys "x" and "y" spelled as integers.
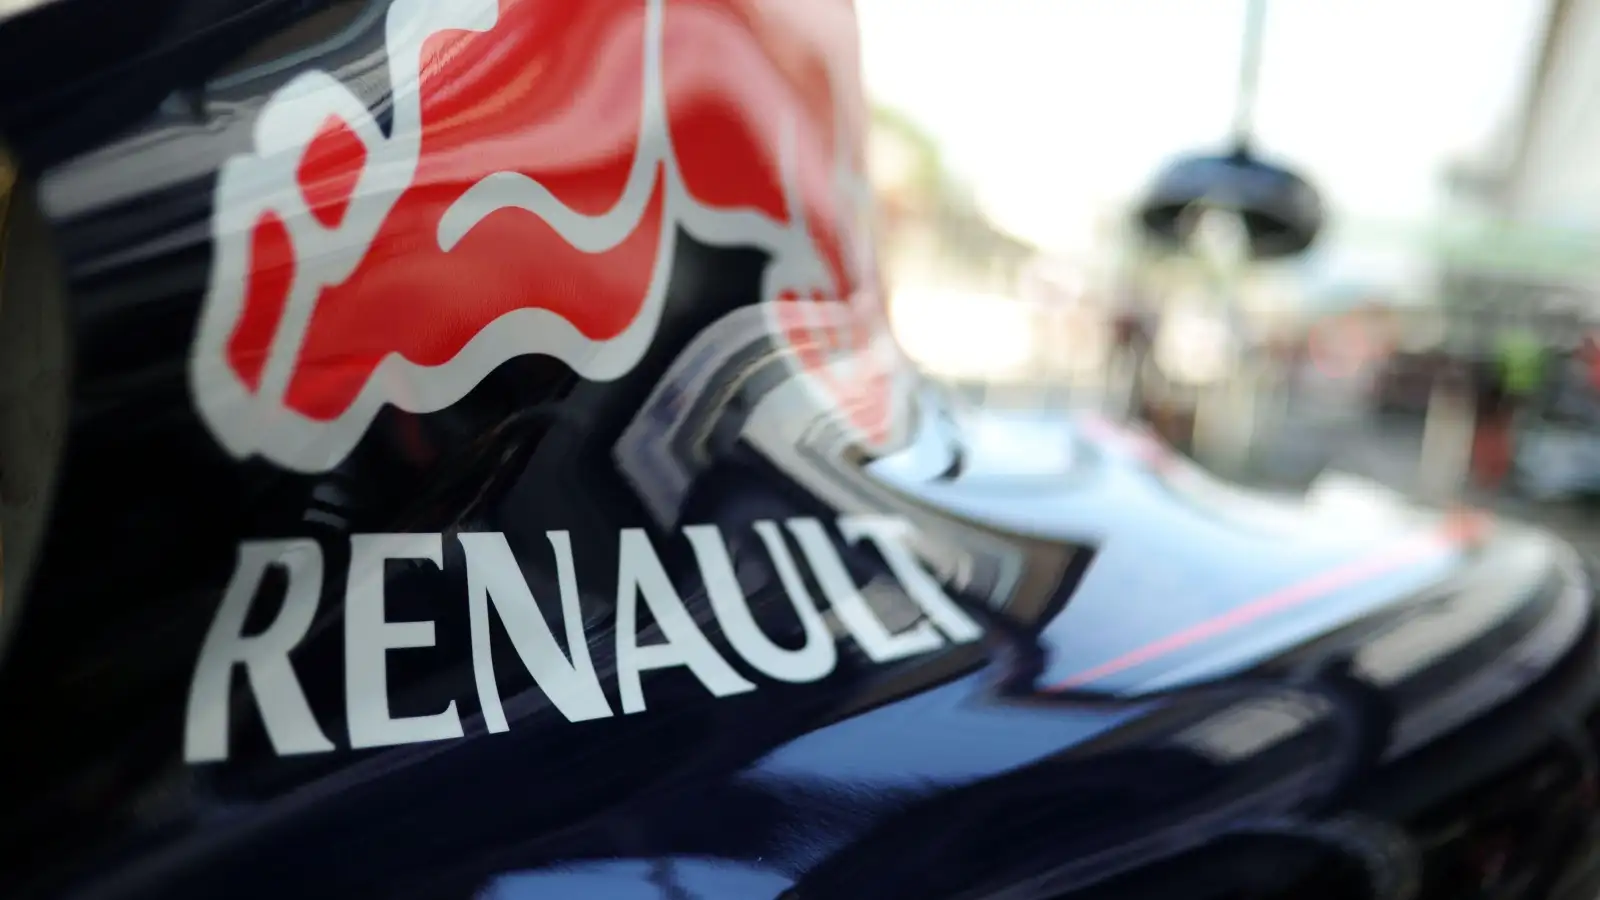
{"x": 1457, "y": 530}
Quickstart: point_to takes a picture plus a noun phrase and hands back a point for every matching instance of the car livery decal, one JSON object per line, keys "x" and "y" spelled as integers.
{"x": 655, "y": 628}
{"x": 540, "y": 161}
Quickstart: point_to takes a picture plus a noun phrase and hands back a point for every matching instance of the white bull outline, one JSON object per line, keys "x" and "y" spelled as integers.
{"x": 256, "y": 422}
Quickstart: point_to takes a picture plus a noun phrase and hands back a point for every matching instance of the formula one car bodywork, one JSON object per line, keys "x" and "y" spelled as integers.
{"x": 464, "y": 456}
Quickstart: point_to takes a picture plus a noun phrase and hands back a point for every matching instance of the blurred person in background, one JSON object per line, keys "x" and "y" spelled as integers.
{"x": 1520, "y": 357}
{"x": 1588, "y": 355}
{"x": 1297, "y": 359}
{"x": 1514, "y": 380}
{"x": 1133, "y": 324}
{"x": 1195, "y": 349}
{"x": 1571, "y": 383}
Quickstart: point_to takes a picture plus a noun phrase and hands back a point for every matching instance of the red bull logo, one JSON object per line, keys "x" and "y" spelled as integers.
{"x": 541, "y": 161}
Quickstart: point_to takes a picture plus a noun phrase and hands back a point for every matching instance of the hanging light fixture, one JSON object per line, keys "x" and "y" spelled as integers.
{"x": 1280, "y": 210}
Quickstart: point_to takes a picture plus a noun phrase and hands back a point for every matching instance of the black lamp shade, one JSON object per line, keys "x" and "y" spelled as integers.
{"x": 1282, "y": 212}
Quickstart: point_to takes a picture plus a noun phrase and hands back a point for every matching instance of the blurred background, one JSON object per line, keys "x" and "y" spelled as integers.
{"x": 1289, "y": 235}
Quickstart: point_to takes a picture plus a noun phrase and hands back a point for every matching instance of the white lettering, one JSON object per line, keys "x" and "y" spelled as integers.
{"x": 368, "y": 638}
{"x": 851, "y": 607}
{"x": 640, "y": 573}
{"x": 284, "y": 711}
{"x": 813, "y": 660}
{"x": 566, "y": 677}
{"x": 493, "y": 577}
{"x": 888, "y": 534}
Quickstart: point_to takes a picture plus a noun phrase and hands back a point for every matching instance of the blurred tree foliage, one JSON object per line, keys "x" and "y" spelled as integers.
{"x": 922, "y": 193}
{"x": 928, "y": 174}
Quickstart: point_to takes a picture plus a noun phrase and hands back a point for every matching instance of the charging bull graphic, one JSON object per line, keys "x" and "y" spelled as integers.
{"x": 541, "y": 160}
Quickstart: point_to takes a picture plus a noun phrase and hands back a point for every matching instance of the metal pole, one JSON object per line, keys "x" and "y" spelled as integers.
{"x": 1255, "y": 20}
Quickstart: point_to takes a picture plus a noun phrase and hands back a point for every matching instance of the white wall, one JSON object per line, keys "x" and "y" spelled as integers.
{"x": 1559, "y": 182}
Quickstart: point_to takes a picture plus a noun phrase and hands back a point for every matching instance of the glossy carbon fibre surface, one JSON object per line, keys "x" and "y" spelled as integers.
{"x": 486, "y": 472}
